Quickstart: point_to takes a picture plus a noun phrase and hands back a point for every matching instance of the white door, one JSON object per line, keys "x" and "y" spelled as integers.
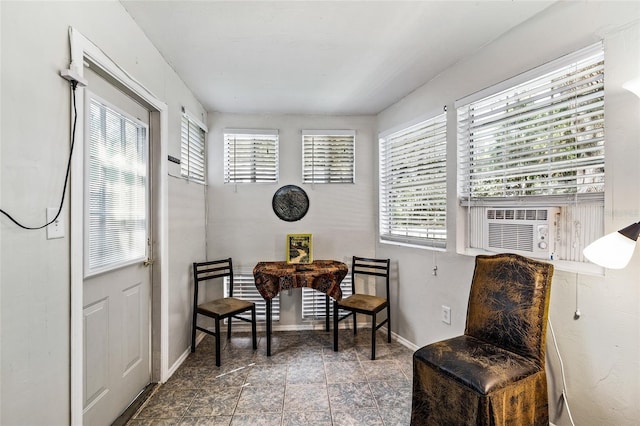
{"x": 117, "y": 280}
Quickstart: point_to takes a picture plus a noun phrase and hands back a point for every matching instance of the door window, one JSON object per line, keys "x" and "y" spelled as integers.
{"x": 116, "y": 217}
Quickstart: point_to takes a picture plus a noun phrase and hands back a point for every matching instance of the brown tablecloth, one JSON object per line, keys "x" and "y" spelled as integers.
{"x": 321, "y": 275}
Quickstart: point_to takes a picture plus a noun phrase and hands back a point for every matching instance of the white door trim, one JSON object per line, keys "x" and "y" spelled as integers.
{"x": 82, "y": 49}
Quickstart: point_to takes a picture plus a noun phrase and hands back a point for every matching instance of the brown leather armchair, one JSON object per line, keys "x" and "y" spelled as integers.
{"x": 494, "y": 374}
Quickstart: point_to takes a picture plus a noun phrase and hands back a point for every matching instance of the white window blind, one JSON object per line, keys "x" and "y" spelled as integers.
{"x": 193, "y": 160}
{"x": 244, "y": 288}
{"x": 328, "y": 156}
{"x": 540, "y": 138}
{"x": 314, "y": 302}
{"x": 413, "y": 193}
{"x": 117, "y": 185}
{"x": 250, "y": 156}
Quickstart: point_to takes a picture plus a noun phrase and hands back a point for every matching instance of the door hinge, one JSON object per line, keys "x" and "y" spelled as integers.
{"x": 148, "y": 262}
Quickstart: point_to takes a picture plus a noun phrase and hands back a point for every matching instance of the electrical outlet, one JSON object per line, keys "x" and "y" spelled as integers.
{"x": 56, "y": 229}
{"x": 446, "y": 314}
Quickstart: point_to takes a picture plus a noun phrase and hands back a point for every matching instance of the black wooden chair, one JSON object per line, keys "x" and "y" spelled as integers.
{"x": 219, "y": 309}
{"x": 364, "y": 303}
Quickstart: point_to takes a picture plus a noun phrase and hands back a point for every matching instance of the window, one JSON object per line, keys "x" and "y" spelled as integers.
{"x": 250, "y": 156}
{"x": 538, "y": 140}
{"x": 244, "y": 287}
{"x": 117, "y": 185}
{"x": 413, "y": 195}
{"x": 328, "y": 156}
{"x": 192, "y": 161}
{"x": 314, "y": 302}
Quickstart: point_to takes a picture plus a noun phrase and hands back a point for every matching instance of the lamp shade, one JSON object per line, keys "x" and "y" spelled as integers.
{"x": 614, "y": 250}
{"x": 633, "y": 86}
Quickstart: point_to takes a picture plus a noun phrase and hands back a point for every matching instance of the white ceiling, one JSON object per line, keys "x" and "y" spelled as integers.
{"x": 321, "y": 57}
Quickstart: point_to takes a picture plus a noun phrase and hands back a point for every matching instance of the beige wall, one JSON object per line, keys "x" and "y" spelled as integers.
{"x": 601, "y": 350}
{"x": 242, "y": 223}
{"x": 35, "y": 129}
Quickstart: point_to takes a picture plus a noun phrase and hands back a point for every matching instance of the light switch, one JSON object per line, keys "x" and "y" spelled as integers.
{"x": 56, "y": 229}
{"x": 446, "y": 314}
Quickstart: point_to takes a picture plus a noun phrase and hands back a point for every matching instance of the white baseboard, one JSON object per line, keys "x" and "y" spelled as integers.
{"x": 314, "y": 326}
{"x": 182, "y": 358}
{"x": 178, "y": 363}
{"x": 404, "y": 342}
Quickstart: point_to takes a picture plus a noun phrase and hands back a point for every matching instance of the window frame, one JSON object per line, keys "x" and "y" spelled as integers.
{"x": 337, "y": 169}
{"x": 582, "y": 212}
{"x": 432, "y": 190}
{"x": 199, "y": 175}
{"x": 533, "y": 92}
{"x": 140, "y": 251}
{"x": 250, "y": 140}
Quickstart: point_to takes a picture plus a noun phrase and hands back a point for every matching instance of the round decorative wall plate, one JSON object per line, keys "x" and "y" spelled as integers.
{"x": 290, "y": 203}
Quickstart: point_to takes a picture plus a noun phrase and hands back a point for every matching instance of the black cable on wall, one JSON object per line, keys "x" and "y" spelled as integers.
{"x": 66, "y": 178}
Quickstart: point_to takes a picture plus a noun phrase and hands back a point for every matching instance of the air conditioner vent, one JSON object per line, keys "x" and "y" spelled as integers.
{"x": 511, "y": 236}
{"x": 518, "y": 214}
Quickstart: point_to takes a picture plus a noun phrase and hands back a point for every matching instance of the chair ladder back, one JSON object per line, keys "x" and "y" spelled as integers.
{"x": 204, "y": 271}
{"x": 370, "y": 266}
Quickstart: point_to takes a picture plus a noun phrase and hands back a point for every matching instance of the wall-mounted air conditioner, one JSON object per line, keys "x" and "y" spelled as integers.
{"x": 526, "y": 231}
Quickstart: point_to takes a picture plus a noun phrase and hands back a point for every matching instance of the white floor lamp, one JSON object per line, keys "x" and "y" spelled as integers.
{"x": 614, "y": 250}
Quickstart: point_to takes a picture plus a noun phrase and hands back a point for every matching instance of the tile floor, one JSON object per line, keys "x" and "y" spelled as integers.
{"x": 304, "y": 382}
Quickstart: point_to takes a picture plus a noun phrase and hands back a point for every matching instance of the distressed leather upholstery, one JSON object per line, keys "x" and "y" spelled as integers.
{"x": 494, "y": 374}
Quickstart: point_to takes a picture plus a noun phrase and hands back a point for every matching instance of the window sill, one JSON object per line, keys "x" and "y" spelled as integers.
{"x": 559, "y": 265}
{"x": 184, "y": 178}
{"x": 417, "y": 246}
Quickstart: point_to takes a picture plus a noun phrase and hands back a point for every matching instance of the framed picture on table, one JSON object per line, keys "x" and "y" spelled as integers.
{"x": 299, "y": 248}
